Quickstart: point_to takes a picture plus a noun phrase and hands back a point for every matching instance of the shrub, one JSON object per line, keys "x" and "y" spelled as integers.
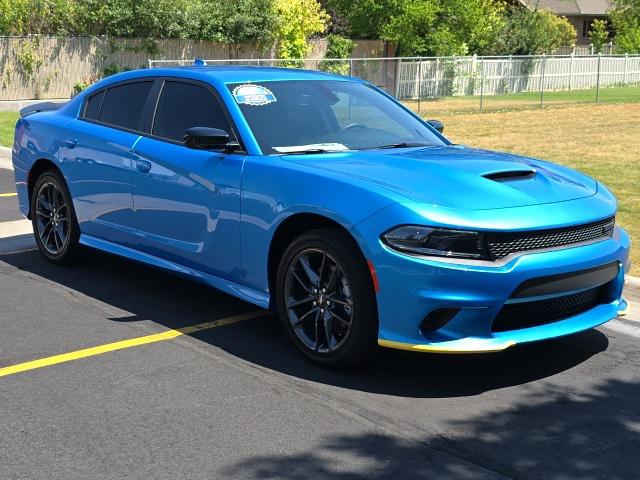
{"x": 338, "y": 47}
{"x": 112, "y": 69}
{"x": 599, "y": 34}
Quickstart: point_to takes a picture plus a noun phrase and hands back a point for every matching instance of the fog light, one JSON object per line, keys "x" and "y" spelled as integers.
{"x": 437, "y": 319}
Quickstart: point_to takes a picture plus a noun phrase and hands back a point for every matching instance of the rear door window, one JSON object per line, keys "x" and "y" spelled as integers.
{"x": 123, "y": 105}
{"x": 185, "y": 105}
{"x": 92, "y": 110}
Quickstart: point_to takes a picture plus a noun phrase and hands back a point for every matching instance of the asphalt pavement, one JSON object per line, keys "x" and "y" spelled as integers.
{"x": 103, "y": 376}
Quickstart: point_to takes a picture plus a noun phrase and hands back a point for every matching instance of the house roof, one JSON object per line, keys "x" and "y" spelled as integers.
{"x": 571, "y": 7}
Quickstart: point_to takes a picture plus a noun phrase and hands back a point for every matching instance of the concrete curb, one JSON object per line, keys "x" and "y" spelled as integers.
{"x": 15, "y": 228}
{"x": 5, "y": 158}
{"x": 632, "y": 285}
{"x": 634, "y": 281}
{"x": 17, "y": 105}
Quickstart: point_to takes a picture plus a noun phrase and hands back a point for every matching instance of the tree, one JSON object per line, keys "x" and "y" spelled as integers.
{"x": 534, "y": 32}
{"x": 12, "y": 16}
{"x": 413, "y": 28}
{"x": 625, "y": 18}
{"x": 445, "y": 27}
{"x": 297, "y": 21}
{"x": 599, "y": 34}
{"x": 236, "y": 21}
{"x": 23, "y": 17}
{"x": 222, "y": 20}
{"x": 365, "y": 18}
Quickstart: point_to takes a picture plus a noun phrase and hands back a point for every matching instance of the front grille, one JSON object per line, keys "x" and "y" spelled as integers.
{"x": 514, "y": 316}
{"x": 504, "y": 244}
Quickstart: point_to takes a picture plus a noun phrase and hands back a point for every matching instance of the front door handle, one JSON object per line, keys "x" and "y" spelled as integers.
{"x": 70, "y": 143}
{"x": 143, "y": 166}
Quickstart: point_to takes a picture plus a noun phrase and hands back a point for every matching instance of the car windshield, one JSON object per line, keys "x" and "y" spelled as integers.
{"x": 316, "y": 116}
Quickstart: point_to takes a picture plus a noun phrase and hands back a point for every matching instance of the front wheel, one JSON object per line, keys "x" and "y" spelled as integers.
{"x": 53, "y": 217}
{"x": 326, "y": 300}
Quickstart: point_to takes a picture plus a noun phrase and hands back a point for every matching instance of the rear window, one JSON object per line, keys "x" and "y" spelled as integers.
{"x": 92, "y": 110}
{"x": 123, "y": 105}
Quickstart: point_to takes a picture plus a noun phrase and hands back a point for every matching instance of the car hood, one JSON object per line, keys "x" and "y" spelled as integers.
{"x": 458, "y": 177}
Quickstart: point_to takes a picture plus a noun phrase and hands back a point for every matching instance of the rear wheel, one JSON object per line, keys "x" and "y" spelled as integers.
{"x": 326, "y": 301}
{"x": 53, "y": 217}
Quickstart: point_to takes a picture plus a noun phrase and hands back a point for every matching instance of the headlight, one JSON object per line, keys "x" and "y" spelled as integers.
{"x": 439, "y": 242}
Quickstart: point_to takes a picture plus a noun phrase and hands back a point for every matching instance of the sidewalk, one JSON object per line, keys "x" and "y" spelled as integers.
{"x": 17, "y": 105}
{"x": 5, "y": 158}
{"x": 632, "y": 294}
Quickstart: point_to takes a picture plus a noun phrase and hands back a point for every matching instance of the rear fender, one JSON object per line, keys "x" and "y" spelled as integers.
{"x": 36, "y": 139}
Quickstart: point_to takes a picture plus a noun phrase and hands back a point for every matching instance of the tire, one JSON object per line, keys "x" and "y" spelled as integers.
{"x": 342, "y": 331}
{"x": 53, "y": 217}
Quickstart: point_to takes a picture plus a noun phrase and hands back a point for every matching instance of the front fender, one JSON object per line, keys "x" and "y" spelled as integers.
{"x": 274, "y": 190}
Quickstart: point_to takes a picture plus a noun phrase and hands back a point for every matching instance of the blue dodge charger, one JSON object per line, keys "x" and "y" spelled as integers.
{"x": 325, "y": 199}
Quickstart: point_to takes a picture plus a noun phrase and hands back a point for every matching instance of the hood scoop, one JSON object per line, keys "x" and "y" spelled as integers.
{"x": 455, "y": 178}
{"x": 509, "y": 175}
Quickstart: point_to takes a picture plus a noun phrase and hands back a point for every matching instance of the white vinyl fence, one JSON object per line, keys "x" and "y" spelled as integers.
{"x": 607, "y": 49}
{"x": 432, "y": 78}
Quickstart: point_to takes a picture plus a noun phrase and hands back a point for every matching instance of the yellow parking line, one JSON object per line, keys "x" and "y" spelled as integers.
{"x": 132, "y": 342}
{"x": 8, "y": 194}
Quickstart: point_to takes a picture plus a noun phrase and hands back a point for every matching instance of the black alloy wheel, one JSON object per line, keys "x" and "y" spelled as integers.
{"x": 326, "y": 299}
{"x": 53, "y": 217}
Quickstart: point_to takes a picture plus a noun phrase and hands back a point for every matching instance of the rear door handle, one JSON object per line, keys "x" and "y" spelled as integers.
{"x": 143, "y": 166}
{"x": 70, "y": 142}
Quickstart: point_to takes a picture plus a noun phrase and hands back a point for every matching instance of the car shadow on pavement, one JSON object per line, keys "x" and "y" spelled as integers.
{"x": 143, "y": 294}
{"x": 557, "y": 434}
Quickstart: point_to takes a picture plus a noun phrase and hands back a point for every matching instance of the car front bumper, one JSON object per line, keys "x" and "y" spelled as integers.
{"x": 412, "y": 287}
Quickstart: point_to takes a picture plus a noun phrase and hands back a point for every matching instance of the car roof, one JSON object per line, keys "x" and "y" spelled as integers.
{"x": 230, "y": 74}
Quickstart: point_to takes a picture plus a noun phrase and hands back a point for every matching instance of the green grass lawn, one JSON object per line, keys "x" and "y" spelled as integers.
{"x": 527, "y": 100}
{"x": 596, "y": 139}
{"x": 7, "y": 123}
{"x": 608, "y": 94}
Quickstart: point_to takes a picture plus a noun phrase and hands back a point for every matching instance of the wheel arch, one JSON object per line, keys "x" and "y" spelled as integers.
{"x": 39, "y": 167}
{"x": 289, "y": 229}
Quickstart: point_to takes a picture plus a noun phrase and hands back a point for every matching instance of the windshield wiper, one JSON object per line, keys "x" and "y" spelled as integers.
{"x": 398, "y": 145}
{"x": 309, "y": 151}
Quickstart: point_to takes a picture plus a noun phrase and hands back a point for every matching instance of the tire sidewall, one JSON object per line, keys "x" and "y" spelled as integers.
{"x": 69, "y": 249}
{"x": 312, "y": 241}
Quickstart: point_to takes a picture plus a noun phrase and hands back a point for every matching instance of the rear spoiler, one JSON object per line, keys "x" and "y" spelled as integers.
{"x": 41, "y": 107}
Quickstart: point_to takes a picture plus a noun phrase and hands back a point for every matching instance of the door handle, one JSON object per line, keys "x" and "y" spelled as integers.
{"x": 143, "y": 166}
{"x": 70, "y": 142}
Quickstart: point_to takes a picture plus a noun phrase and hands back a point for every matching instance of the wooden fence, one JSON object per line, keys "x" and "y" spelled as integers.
{"x": 42, "y": 67}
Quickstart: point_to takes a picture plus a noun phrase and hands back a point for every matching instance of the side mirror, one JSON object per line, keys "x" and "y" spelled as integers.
{"x": 437, "y": 124}
{"x": 206, "y": 138}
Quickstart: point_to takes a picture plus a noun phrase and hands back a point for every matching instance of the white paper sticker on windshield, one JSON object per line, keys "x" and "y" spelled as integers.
{"x": 254, "y": 95}
{"x": 330, "y": 147}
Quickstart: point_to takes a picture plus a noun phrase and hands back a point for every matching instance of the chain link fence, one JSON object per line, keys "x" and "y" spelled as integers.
{"x": 451, "y": 84}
